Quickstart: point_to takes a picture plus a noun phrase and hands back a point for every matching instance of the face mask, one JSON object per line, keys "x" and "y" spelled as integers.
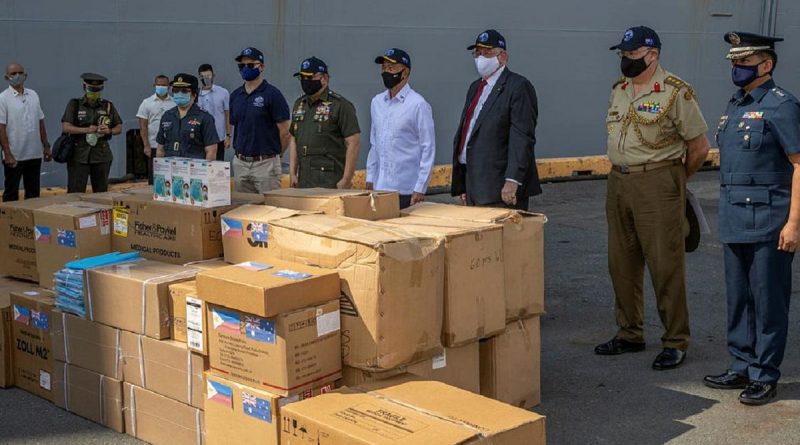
{"x": 390, "y": 80}
{"x": 207, "y": 81}
{"x": 182, "y": 99}
{"x": 486, "y": 66}
{"x": 17, "y": 79}
{"x": 249, "y": 73}
{"x": 310, "y": 86}
{"x": 632, "y": 67}
{"x": 93, "y": 96}
{"x": 161, "y": 90}
{"x": 743, "y": 75}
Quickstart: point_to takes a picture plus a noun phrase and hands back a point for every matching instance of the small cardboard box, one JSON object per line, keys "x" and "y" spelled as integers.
{"x": 511, "y": 364}
{"x": 162, "y": 179}
{"x": 134, "y": 296}
{"x": 89, "y": 345}
{"x": 66, "y": 232}
{"x": 245, "y": 232}
{"x": 188, "y": 315}
{"x": 32, "y": 313}
{"x": 474, "y": 303}
{"x": 17, "y": 240}
{"x": 361, "y": 204}
{"x": 523, "y": 250}
{"x": 177, "y": 307}
{"x": 210, "y": 183}
{"x": 166, "y": 367}
{"x": 88, "y": 394}
{"x": 181, "y": 179}
{"x": 392, "y": 283}
{"x": 6, "y": 351}
{"x": 160, "y": 420}
{"x": 285, "y": 355}
{"x": 234, "y": 411}
{"x": 268, "y": 289}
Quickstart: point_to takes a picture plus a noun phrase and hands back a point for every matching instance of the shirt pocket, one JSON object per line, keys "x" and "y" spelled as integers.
{"x": 751, "y": 134}
{"x": 749, "y": 208}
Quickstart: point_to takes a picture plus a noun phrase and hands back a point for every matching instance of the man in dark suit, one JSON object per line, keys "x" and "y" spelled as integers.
{"x": 493, "y": 159}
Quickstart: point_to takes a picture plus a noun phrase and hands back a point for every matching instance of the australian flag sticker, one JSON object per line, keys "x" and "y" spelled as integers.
{"x": 259, "y": 232}
{"x": 255, "y": 407}
{"x": 291, "y": 274}
{"x": 40, "y": 321}
{"x": 66, "y": 238}
{"x": 259, "y": 329}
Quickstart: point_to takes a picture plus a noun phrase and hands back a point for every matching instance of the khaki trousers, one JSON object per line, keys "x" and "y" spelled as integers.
{"x": 257, "y": 177}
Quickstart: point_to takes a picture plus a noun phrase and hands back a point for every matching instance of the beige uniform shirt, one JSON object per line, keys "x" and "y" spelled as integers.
{"x": 654, "y": 125}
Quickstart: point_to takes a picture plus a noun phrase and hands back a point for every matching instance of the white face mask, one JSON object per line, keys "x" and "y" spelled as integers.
{"x": 486, "y": 66}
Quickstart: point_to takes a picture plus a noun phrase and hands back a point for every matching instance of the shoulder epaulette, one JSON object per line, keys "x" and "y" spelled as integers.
{"x": 334, "y": 94}
{"x": 675, "y": 82}
{"x": 619, "y": 81}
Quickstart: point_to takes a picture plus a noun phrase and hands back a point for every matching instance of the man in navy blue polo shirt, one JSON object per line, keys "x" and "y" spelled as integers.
{"x": 260, "y": 117}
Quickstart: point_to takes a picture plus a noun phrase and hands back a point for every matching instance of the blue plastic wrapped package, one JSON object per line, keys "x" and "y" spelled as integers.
{"x": 70, "y": 281}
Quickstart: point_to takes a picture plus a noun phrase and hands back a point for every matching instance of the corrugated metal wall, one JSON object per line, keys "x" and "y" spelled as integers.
{"x": 562, "y": 46}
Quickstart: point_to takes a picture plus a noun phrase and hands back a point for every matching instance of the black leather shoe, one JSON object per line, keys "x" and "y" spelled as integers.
{"x": 758, "y": 393}
{"x": 669, "y": 358}
{"x": 728, "y": 380}
{"x": 616, "y": 346}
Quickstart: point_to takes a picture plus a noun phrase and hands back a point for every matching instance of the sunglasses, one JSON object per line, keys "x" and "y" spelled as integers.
{"x": 249, "y": 65}
{"x": 181, "y": 90}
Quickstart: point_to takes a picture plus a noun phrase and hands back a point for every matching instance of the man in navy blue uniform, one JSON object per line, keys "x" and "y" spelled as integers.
{"x": 759, "y": 216}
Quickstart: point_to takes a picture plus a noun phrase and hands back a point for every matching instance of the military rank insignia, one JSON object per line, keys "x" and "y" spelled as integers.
{"x": 753, "y": 115}
{"x": 299, "y": 112}
{"x": 323, "y": 112}
{"x": 650, "y": 107}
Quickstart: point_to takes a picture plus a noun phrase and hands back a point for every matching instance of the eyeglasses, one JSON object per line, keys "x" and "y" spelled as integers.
{"x": 486, "y": 52}
{"x": 634, "y": 54}
{"x": 249, "y": 65}
{"x": 181, "y": 90}
{"x": 16, "y": 72}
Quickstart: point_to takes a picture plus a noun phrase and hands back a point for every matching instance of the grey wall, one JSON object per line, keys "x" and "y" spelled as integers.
{"x": 562, "y": 46}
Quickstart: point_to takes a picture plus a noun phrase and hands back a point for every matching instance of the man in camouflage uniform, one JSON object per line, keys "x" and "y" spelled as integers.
{"x": 325, "y": 141}
{"x": 656, "y": 140}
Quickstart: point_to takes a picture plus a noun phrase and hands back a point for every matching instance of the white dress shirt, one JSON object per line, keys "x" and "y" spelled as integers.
{"x": 487, "y": 90}
{"x": 216, "y": 102}
{"x": 21, "y": 114}
{"x": 151, "y": 109}
{"x": 403, "y": 142}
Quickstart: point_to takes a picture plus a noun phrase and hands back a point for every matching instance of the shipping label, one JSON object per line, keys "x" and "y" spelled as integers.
{"x": 121, "y": 216}
{"x": 194, "y": 323}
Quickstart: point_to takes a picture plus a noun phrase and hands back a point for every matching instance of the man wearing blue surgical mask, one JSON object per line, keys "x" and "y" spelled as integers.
{"x": 186, "y": 131}
{"x": 149, "y": 114}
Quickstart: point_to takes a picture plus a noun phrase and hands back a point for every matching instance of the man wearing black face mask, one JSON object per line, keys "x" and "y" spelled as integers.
{"x": 325, "y": 135}
{"x": 656, "y": 140}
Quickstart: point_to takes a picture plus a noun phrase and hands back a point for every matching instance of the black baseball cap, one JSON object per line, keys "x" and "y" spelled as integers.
{"x": 489, "y": 39}
{"x": 637, "y": 37}
{"x": 311, "y": 66}
{"x": 251, "y": 53}
{"x": 395, "y": 55}
{"x": 744, "y": 44}
{"x": 184, "y": 80}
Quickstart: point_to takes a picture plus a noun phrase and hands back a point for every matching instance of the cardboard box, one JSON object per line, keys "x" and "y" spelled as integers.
{"x": 30, "y": 332}
{"x": 162, "y": 179}
{"x": 285, "y": 355}
{"x": 523, "y": 250}
{"x": 245, "y": 232}
{"x": 88, "y": 394}
{"x": 474, "y": 303}
{"x": 511, "y": 364}
{"x": 6, "y": 351}
{"x": 361, "y": 204}
{"x": 268, "y": 289}
{"x": 180, "y": 177}
{"x": 67, "y": 232}
{"x": 134, "y": 296}
{"x": 177, "y": 307}
{"x": 188, "y": 316}
{"x": 17, "y": 241}
{"x": 392, "y": 285}
{"x": 89, "y": 345}
{"x": 146, "y": 190}
{"x": 458, "y": 367}
{"x": 160, "y": 420}
{"x": 166, "y": 367}
{"x": 210, "y": 183}
{"x": 105, "y": 198}
{"x": 234, "y": 411}
{"x": 214, "y": 263}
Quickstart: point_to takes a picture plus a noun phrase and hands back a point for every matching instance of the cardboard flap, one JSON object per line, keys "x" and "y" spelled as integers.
{"x": 262, "y": 213}
{"x": 74, "y": 209}
{"x": 317, "y": 192}
{"x": 347, "y": 229}
{"x": 142, "y": 271}
{"x": 440, "y": 226}
{"x": 468, "y": 213}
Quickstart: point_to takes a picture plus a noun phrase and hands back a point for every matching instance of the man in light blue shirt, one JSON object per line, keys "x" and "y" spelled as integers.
{"x": 403, "y": 142}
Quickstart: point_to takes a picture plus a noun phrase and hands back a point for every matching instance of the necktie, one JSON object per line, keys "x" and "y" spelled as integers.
{"x": 468, "y": 117}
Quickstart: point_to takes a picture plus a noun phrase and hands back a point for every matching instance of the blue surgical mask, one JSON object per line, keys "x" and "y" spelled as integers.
{"x": 161, "y": 90}
{"x": 743, "y": 75}
{"x": 182, "y": 99}
{"x": 249, "y": 73}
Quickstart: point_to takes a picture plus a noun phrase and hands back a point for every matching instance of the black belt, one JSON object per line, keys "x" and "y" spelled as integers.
{"x": 641, "y": 168}
{"x": 257, "y": 158}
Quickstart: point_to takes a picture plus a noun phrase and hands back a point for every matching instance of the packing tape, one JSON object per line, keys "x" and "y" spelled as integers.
{"x": 190, "y": 373}
{"x": 372, "y": 202}
{"x": 118, "y": 355}
{"x": 89, "y": 296}
{"x": 158, "y": 280}
{"x": 197, "y": 427}
{"x": 102, "y": 400}
{"x": 141, "y": 362}
{"x": 66, "y": 387}
{"x": 132, "y": 409}
{"x": 64, "y": 333}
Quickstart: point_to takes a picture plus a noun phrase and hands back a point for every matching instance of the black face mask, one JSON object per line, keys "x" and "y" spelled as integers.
{"x": 310, "y": 86}
{"x": 632, "y": 67}
{"x": 390, "y": 80}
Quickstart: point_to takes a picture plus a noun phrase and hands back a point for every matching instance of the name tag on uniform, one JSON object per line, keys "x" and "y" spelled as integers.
{"x": 753, "y": 115}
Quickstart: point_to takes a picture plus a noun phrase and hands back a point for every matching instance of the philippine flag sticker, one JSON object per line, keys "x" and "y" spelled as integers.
{"x": 226, "y": 321}
{"x": 232, "y": 228}
{"x": 22, "y": 314}
{"x": 41, "y": 234}
{"x": 219, "y": 393}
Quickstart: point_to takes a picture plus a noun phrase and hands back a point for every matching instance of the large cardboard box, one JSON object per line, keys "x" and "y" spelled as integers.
{"x": 458, "y": 367}
{"x": 285, "y": 355}
{"x": 160, "y": 420}
{"x": 134, "y": 296}
{"x": 214, "y": 263}
{"x": 166, "y": 367}
{"x": 235, "y": 412}
{"x": 6, "y": 351}
{"x": 210, "y": 183}
{"x": 511, "y": 364}
{"x": 88, "y": 394}
{"x": 392, "y": 285}
{"x": 245, "y": 232}
{"x": 105, "y": 198}
{"x": 66, "y": 232}
{"x": 523, "y": 250}
{"x": 30, "y": 332}
{"x": 17, "y": 240}
{"x": 361, "y": 204}
{"x": 89, "y": 345}
{"x": 268, "y": 289}
{"x": 474, "y": 303}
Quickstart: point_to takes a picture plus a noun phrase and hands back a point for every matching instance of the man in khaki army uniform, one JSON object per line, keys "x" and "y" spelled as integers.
{"x": 656, "y": 140}
{"x": 91, "y": 121}
{"x": 325, "y": 138}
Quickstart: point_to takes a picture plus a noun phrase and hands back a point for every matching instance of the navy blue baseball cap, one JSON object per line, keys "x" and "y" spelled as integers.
{"x": 637, "y": 37}
{"x": 489, "y": 39}
{"x": 251, "y": 53}
{"x": 394, "y": 55}
{"x": 311, "y": 66}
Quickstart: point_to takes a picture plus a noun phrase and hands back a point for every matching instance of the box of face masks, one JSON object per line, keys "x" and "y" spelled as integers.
{"x": 209, "y": 183}
{"x": 162, "y": 179}
{"x": 180, "y": 180}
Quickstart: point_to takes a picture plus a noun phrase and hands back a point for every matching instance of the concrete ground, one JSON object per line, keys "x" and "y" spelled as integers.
{"x": 587, "y": 399}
